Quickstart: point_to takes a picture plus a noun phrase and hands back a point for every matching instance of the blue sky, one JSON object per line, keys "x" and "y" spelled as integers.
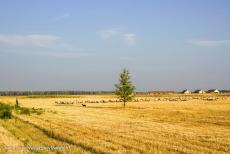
{"x": 84, "y": 44}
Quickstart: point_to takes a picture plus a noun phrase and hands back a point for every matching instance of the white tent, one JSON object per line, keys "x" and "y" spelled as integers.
{"x": 186, "y": 91}
{"x": 213, "y": 91}
{"x": 216, "y": 91}
{"x": 199, "y": 91}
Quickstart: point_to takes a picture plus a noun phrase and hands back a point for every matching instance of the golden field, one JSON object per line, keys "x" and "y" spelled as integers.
{"x": 155, "y": 124}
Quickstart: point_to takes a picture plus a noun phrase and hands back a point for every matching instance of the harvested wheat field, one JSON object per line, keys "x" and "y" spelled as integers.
{"x": 149, "y": 124}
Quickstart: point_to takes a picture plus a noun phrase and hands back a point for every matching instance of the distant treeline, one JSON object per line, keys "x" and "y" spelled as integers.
{"x": 225, "y": 91}
{"x": 160, "y": 92}
{"x": 29, "y": 93}
{"x": 48, "y": 93}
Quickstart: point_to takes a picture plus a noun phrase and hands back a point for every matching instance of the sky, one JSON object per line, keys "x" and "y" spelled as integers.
{"x": 84, "y": 44}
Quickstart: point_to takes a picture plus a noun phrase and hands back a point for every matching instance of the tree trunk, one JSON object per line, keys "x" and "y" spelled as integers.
{"x": 124, "y": 104}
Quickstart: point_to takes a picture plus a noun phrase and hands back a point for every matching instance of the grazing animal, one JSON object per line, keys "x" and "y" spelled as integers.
{"x": 84, "y": 105}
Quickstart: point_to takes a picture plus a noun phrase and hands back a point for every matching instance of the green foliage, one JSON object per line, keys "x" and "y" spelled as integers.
{"x": 5, "y": 111}
{"x": 37, "y": 111}
{"x": 24, "y": 110}
{"x": 28, "y": 111}
{"x": 125, "y": 89}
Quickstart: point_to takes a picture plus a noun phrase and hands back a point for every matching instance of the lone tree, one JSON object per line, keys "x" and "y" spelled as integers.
{"x": 125, "y": 89}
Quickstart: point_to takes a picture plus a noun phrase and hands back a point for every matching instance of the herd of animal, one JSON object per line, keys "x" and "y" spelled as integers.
{"x": 175, "y": 99}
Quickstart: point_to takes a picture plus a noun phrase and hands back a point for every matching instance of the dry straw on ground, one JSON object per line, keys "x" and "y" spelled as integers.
{"x": 191, "y": 126}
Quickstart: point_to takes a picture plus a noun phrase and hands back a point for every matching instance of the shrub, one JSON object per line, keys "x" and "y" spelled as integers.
{"x": 5, "y": 114}
{"x": 5, "y": 111}
{"x": 28, "y": 111}
{"x": 24, "y": 110}
{"x": 37, "y": 111}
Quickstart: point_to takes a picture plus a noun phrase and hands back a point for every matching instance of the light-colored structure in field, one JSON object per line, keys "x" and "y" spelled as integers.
{"x": 186, "y": 91}
{"x": 199, "y": 91}
{"x": 214, "y": 91}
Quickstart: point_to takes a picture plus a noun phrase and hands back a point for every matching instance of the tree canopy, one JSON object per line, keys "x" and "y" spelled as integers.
{"x": 125, "y": 89}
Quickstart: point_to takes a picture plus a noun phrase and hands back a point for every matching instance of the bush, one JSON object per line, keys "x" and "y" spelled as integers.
{"x": 5, "y": 114}
{"x": 37, "y": 111}
{"x": 24, "y": 110}
{"x": 5, "y": 111}
{"x": 28, "y": 111}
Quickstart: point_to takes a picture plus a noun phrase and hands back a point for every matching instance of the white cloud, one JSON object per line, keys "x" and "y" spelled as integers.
{"x": 37, "y": 44}
{"x": 118, "y": 34}
{"x": 34, "y": 39}
{"x": 61, "y": 17}
{"x": 109, "y": 33}
{"x": 209, "y": 43}
{"x": 58, "y": 54}
{"x": 130, "y": 38}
